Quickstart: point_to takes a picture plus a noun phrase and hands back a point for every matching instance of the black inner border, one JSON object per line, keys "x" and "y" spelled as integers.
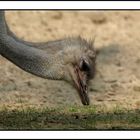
{"x": 80, "y": 10}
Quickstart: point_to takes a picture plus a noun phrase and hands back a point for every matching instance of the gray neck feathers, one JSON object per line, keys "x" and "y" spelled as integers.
{"x": 30, "y": 59}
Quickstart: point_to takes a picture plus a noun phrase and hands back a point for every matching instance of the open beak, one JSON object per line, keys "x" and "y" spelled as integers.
{"x": 82, "y": 86}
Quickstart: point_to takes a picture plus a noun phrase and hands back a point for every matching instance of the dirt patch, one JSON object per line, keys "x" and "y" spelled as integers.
{"x": 117, "y": 81}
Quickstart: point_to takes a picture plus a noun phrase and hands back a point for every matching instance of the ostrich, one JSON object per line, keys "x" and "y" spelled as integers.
{"x": 70, "y": 59}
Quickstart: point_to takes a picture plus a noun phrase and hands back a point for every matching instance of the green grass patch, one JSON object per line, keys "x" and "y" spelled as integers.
{"x": 70, "y": 118}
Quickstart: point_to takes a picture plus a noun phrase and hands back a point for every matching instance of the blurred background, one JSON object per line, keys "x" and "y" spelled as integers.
{"x": 117, "y": 80}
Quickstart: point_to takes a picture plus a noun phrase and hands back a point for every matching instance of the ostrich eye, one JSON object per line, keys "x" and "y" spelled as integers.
{"x": 84, "y": 65}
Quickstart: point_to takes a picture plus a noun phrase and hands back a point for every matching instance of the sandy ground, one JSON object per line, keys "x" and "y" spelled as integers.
{"x": 117, "y": 80}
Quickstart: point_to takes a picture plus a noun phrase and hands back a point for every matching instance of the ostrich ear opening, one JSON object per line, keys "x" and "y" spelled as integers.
{"x": 84, "y": 65}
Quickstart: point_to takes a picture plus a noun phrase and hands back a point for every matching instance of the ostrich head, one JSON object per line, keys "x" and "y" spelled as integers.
{"x": 68, "y": 59}
{"x": 79, "y": 59}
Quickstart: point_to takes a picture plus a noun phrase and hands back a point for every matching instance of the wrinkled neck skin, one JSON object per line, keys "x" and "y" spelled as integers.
{"x": 29, "y": 59}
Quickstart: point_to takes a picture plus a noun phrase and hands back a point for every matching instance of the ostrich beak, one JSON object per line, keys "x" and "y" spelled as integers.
{"x": 81, "y": 86}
